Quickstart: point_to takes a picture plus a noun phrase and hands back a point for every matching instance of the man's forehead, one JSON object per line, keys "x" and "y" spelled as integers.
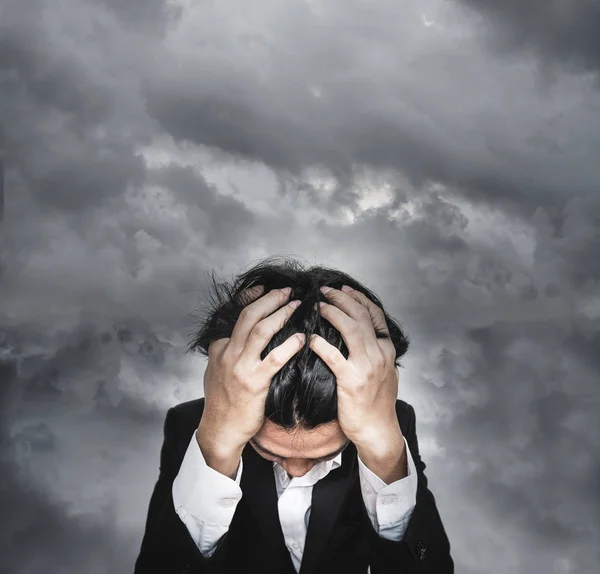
{"x": 322, "y": 432}
{"x": 278, "y": 439}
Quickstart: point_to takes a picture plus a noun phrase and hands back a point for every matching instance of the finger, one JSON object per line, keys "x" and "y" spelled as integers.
{"x": 377, "y": 318}
{"x": 245, "y": 297}
{"x": 216, "y": 347}
{"x": 333, "y": 357}
{"x": 388, "y": 349}
{"x": 280, "y": 355}
{"x": 264, "y": 330}
{"x": 253, "y": 313}
{"x": 378, "y": 321}
{"x": 350, "y": 329}
{"x": 355, "y": 309}
{"x": 375, "y": 312}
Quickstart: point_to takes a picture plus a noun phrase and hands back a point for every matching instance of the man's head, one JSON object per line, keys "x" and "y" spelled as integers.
{"x": 302, "y": 397}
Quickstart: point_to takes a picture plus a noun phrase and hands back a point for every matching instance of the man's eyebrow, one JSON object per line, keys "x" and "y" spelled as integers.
{"x": 267, "y": 451}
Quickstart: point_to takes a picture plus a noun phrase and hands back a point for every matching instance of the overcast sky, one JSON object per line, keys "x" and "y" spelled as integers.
{"x": 443, "y": 152}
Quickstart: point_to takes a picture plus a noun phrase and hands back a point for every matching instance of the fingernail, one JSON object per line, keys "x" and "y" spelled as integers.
{"x": 326, "y": 289}
{"x": 294, "y": 304}
{"x": 287, "y": 290}
{"x": 346, "y": 288}
{"x": 321, "y": 303}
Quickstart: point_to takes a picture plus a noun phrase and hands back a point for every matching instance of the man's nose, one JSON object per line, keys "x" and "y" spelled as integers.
{"x": 297, "y": 466}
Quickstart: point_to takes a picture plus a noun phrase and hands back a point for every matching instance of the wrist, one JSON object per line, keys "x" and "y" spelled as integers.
{"x": 217, "y": 444}
{"x": 382, "y": 453}
{"x": 380, "y": 439}
{"x": 388, "y": 460}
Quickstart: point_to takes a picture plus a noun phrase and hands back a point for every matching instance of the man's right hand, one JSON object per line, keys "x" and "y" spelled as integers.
{"x": 236, "y": 381}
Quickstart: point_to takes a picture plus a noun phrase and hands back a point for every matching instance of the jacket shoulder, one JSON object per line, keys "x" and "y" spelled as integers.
{"x": 189, "y": 409}
{"x": 403, "y": 411}
{"x": 186, "y": 417}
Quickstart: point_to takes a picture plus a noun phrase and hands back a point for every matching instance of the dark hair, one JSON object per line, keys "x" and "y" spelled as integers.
{"x": 303, "y": 392}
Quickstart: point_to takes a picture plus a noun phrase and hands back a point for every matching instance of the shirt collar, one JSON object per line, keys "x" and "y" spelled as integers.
{"x": 316, "y": 473}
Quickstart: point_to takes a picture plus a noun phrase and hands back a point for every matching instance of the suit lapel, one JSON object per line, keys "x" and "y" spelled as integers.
{"x": 328, "y": 496}
{"x": 260, "y": 495}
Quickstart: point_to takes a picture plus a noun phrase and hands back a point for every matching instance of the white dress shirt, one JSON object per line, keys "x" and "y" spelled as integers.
{"x": 205, "y": 500}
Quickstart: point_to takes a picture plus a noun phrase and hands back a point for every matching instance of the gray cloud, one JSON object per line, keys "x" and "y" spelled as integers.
{"x": 147, "y": 143}
{"x": 564, "y": 32}
{"x": 485, "y": 141}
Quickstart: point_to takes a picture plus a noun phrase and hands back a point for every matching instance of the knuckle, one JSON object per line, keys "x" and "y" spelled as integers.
{"x": 360, "y": 387}
{"x": 389, "y": 352}
{"x": 244, "y": 314}
{"x": 262, "y": 330}
{"x": 217, "y": 345}
{"x": 358, "y": 295}
{"x": 378, "y": 361}
{"x": 245, "y": 384}
{"x": 222, "y": 359}
{"x": 370, "y": 369}
{"x": 250, "y": 314}
{"x": 237, "y": 373}
{"x": 276, "y": 357}
{"x": 354, "y": 328}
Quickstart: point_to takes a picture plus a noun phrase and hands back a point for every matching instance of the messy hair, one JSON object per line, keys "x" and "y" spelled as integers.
{"x": 303, "y": 392}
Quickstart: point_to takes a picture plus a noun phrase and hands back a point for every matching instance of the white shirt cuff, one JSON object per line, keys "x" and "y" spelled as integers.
{"x": 204, "y": 499}
{"x": 389, "y": 506}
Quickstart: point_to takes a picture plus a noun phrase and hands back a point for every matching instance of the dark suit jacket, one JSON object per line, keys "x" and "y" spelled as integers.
{"x": 340, "y": 536}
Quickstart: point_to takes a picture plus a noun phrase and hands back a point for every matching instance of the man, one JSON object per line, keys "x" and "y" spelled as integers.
{"x": 300, "y": 458}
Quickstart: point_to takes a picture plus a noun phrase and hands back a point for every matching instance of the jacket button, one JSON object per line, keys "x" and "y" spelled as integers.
{"x": 421, "y": 550}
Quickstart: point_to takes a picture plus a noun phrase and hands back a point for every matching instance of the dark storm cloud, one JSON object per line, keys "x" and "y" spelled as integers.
{"x": 485, "y": 251}
{"x": 144, "y": 15}
{"x": 225, "y": 220}
{"x": 535, "y": 447}
{"x": 37, "y": 534}
{"x": 571, "y": 241}
{"x": 61, "y": 117}
{"x": 93, "y": 426}
{"x": 413, "y": 115}
{"x": 564, "y": 31}
{"x": 84, "y": 363}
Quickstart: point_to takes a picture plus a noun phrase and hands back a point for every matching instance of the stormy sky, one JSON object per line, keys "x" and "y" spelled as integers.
{"x": 444, "y": 152}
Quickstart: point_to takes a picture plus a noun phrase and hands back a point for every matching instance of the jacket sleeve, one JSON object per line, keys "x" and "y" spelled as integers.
{"x": 167, "y": 547}
{"x": 425, "y": 548}
{"x": 205, "y": 500}
{"x": 391, "y": 520}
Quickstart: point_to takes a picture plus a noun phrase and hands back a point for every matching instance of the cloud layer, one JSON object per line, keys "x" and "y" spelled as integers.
{"x": 443, "y": 152}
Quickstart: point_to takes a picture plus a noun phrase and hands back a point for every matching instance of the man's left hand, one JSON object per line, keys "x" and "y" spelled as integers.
{"x": 367, "y": 382}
